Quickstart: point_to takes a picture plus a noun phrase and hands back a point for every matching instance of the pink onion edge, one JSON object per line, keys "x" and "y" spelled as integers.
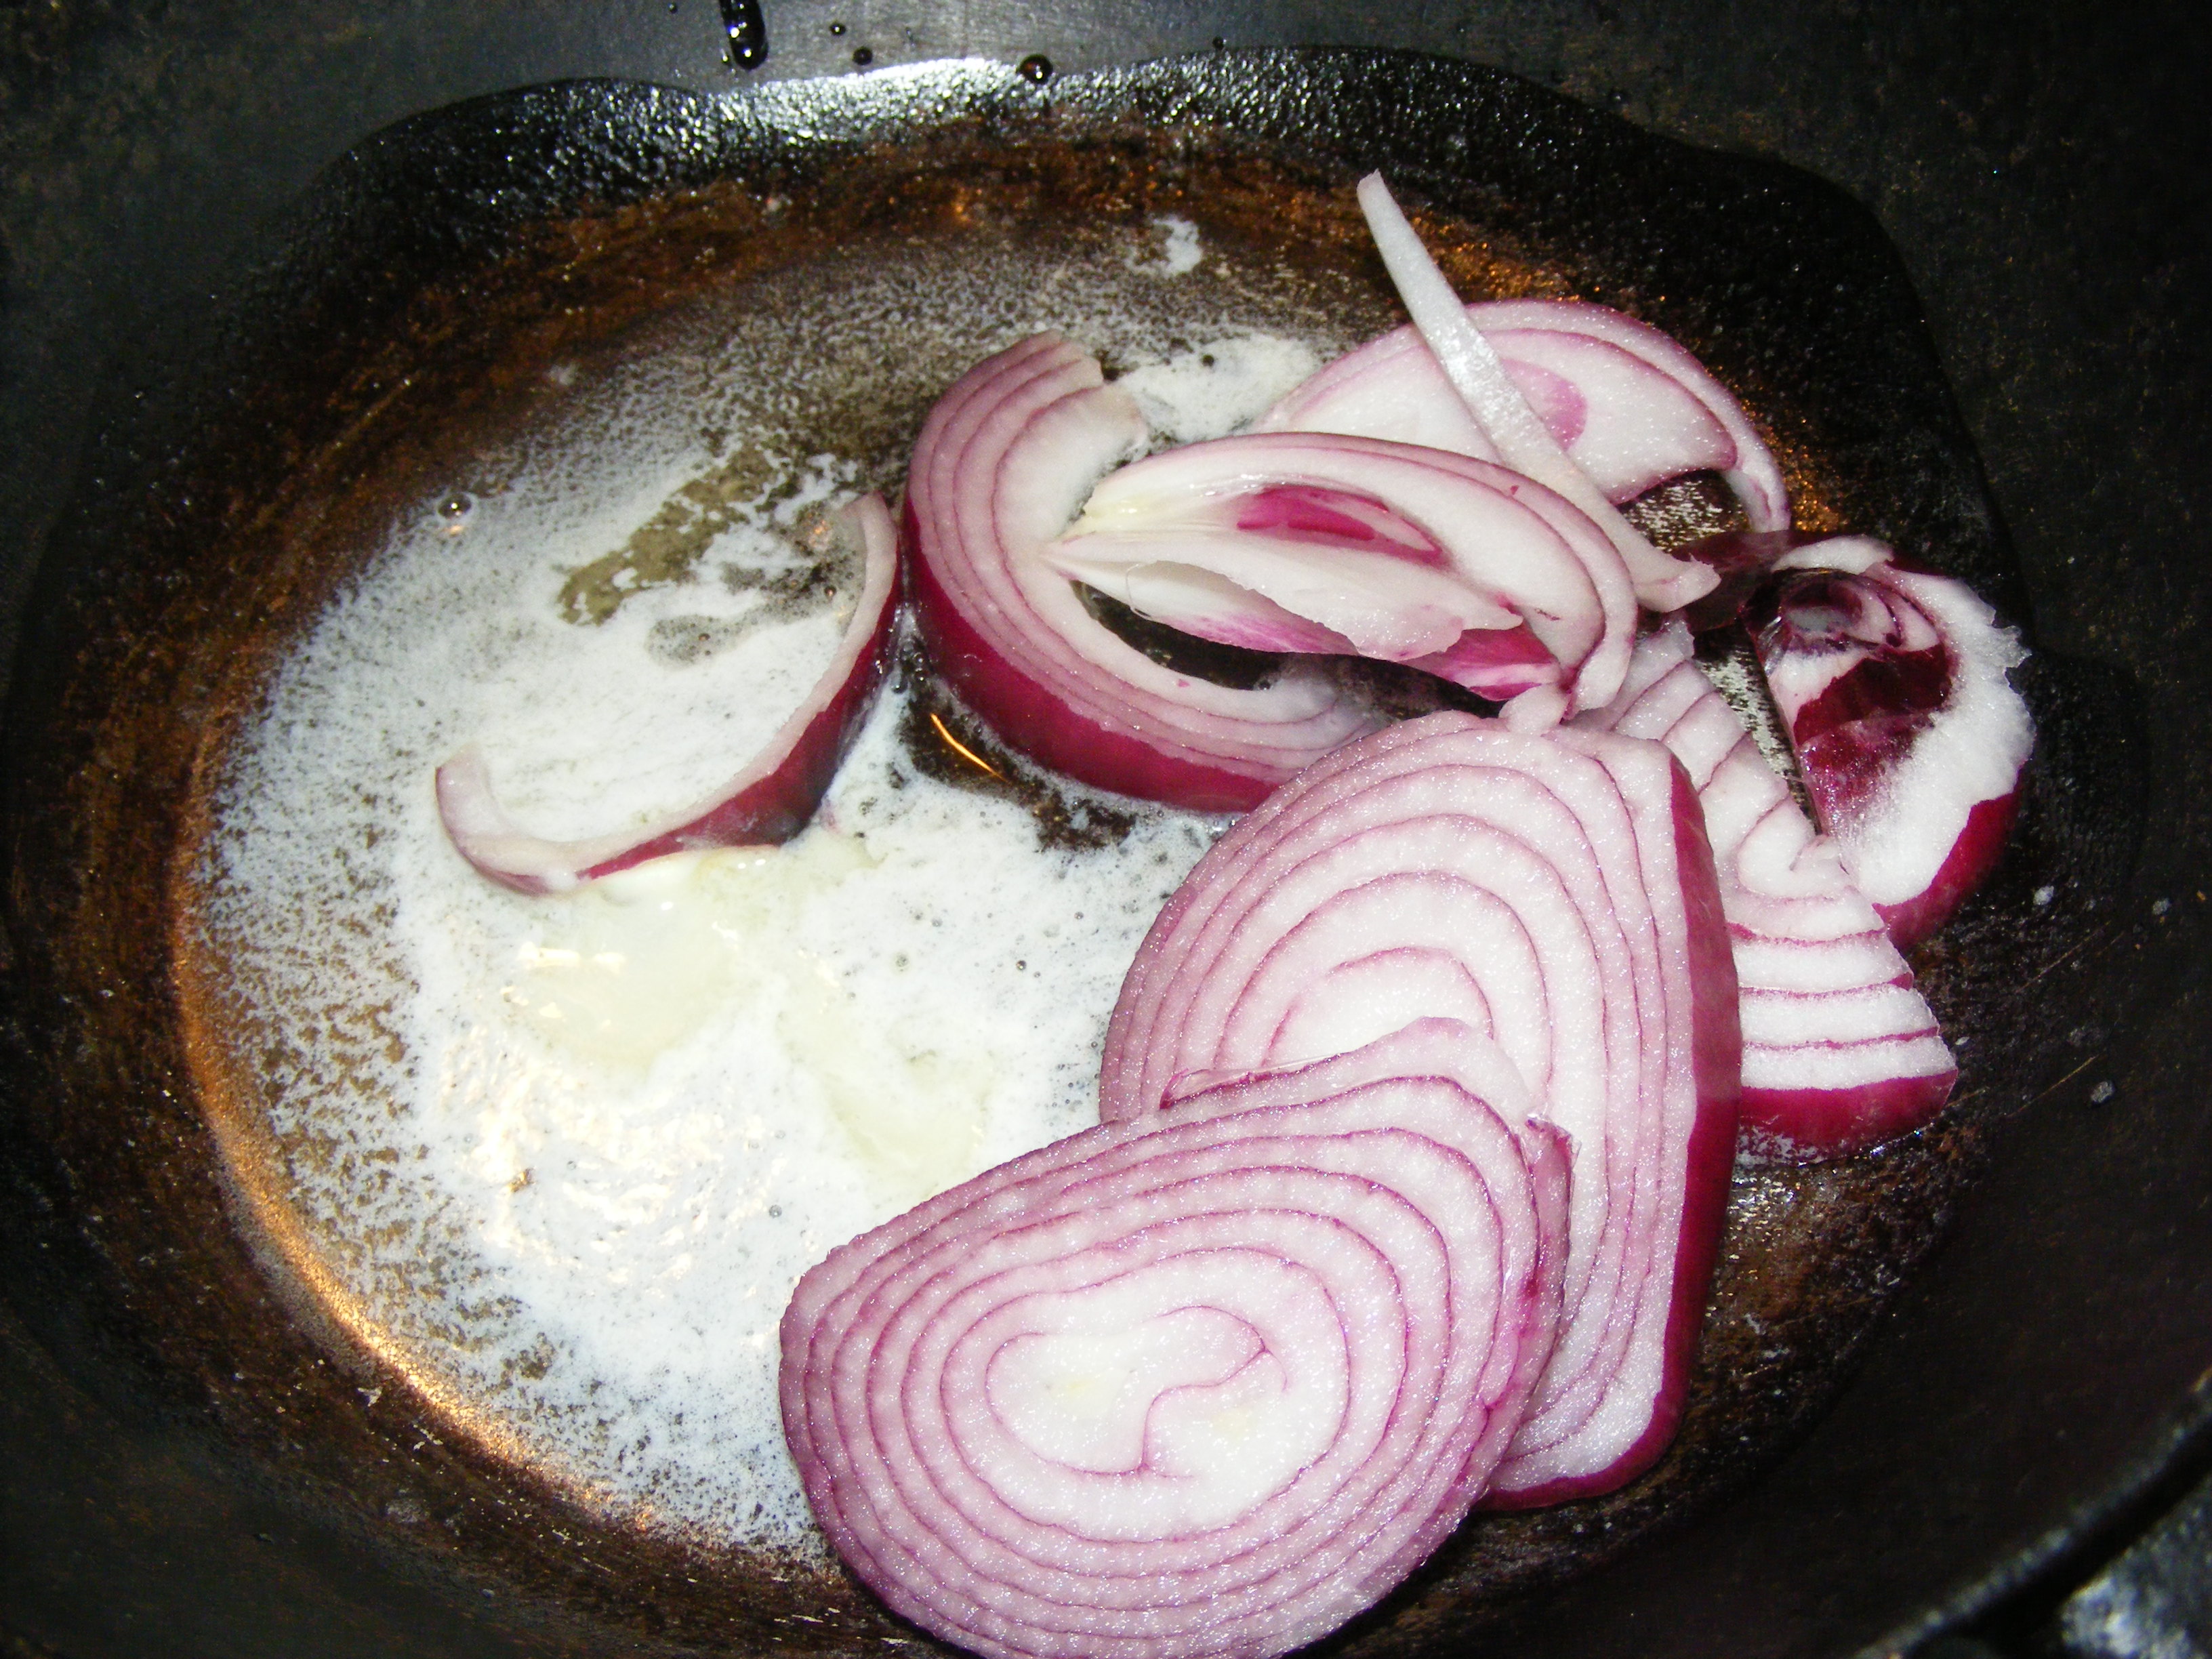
{"x": 1708, "y": 1167}
{"x": 1818, "y": 1126}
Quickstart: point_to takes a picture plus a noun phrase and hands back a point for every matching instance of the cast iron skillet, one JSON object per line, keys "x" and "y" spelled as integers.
{"x": 360, "y": 1489}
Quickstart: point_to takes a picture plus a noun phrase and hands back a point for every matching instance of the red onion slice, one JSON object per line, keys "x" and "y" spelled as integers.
{"x": 1003, "y": 461}
{"x": 1373, "y": 592}
{"x": 1839, "y": 1051}
{"x": 1632, "y": 421}
{"x": 769, "y": 801}
{"x": 1402, "y": 552}
{"x": 1554, "y": 892}
{"x": 1208, "y": 1385}
{"x": 1893, "y": 684}
{"x": 1629, "y": 404}
{"x": 1521, "y": 439}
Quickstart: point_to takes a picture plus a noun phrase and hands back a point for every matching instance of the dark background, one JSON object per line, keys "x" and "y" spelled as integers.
{"x": 2042, "y": 169}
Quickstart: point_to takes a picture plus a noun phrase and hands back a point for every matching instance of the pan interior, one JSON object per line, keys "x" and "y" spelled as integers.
{"x": 605, "y": 417}
{"x": 580, "y": 1263}
{"x": 558, "y": 1161}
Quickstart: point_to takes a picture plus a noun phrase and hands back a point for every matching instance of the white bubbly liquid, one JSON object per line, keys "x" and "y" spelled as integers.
{"x": 561, "y": 1160}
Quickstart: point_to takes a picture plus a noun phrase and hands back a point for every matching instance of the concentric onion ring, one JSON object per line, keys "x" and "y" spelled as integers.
{"x": 1208, "y": 1384}
{"x": 1839, "y": 1050}
{"x": 1555, "y": 892}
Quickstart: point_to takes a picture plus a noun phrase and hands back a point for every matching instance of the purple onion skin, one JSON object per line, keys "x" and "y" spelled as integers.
{"x": 1030, "y": 719}
{"x": 1806, "y": 1125}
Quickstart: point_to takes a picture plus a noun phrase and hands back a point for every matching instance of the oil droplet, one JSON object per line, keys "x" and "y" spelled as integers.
{"x": 747, "y": 31}
{"x": 455, "y": 510}
{"x": 1035, "y": 69}
{"x": 863, "y": 57}
{"x": 836, "y": 28}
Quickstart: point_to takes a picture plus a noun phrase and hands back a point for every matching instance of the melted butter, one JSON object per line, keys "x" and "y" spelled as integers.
{"x": 622, "y": 970}
{"x": 566, "y": 1157}
{"x": 640, "y": 962}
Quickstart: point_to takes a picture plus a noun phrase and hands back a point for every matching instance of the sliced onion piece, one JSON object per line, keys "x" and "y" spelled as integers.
{"x": 1520, "y": 437}
{"x": 1004, "y": 461}
{"x": 1205, "y": 1385}
{"x": 1893, "y": 684}
{"x": 1556, "y": 894}
{"x": 1336, "y": 567}
{"x": 1402, "y": 552}
{"x": 1839, "y": 1051}
{"x": 768, "y": 802}
{"x": 1629, "y": 404}
{"x": 1447, "y": 1048}
{"x": 1632, "y": 422}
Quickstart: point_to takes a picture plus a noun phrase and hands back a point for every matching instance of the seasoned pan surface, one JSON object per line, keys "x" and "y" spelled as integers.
{"x": 579, "y": 220}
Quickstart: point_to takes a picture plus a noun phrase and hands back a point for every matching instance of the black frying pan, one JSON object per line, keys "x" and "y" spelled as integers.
{"x": 2026, "y": 1369}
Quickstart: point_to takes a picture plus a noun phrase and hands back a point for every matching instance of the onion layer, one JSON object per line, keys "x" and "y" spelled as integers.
{"x": 1628, "y": 403}
{"x": 1003, "y": 461}
{"x": 1459, "y": 566}
{"x": 1556, "y": 894}
{"x": 1893, "y": 685}
{"x": 1839, "y": 1050}
{"x": 1521, "y": 438}
{"x": 769, "y": 801}
{"x": 1206, "y": 1384}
